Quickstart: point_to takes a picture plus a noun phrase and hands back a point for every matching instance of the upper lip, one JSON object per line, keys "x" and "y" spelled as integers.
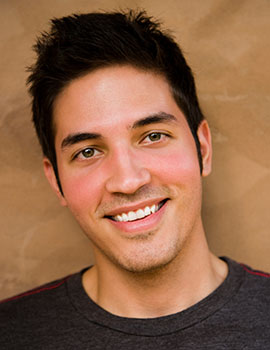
{"x": 134, "y": 207}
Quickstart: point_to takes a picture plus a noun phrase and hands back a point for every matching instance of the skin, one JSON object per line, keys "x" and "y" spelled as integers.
{"x": 150, "y": 267}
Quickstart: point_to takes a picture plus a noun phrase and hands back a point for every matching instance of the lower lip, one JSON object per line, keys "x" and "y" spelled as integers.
{"x": 142, "y": 225}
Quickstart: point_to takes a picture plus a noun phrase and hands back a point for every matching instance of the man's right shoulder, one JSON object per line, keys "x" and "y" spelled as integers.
{"x": 22, "y": 313}
{"x": 33, "y": 295}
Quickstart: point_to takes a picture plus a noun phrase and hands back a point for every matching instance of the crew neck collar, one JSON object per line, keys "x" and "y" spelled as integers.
{"x": 160, "y": 325}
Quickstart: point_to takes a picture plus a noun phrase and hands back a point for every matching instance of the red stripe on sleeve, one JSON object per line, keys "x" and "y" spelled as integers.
{"x": 257, "y": 273}
{"x": 36, "y": 291}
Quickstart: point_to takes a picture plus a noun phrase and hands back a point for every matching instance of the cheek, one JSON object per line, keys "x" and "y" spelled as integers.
{"x": 175, "y": 167}
{"x": 81, "y": 190}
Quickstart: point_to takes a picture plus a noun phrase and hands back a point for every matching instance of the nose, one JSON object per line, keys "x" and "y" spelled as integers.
{"x": 127, "y": 173}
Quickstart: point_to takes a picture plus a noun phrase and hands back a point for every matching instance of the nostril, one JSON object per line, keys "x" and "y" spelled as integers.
{"x": 128, "y": 180}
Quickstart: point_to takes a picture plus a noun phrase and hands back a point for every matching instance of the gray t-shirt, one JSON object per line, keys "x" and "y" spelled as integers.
{"x": 61, "y": 316}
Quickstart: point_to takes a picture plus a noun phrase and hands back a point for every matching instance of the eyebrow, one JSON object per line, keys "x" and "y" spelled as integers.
{"x": 154, "y": 119}
{"x": 151, "y": 119}
{"x": 78, "y": 137}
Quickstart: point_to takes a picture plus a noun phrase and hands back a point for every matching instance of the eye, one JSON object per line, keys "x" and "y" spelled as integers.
{"x": 87, "y": 153}
{"x": 154, "y": 136}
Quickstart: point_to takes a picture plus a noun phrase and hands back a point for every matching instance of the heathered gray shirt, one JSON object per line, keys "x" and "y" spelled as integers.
{"x": 61, "y": 316}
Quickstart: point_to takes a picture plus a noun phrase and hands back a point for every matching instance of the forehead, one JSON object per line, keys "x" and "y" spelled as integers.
{"x": 110, "y": 98}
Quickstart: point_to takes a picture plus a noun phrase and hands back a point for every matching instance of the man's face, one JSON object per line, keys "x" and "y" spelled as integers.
{"x": 128, "y": 167}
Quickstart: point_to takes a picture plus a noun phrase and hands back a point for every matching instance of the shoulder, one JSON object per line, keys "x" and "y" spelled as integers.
{"x": 256, "y": 285}
{"x": 253, "y": 277}
{"x": 35, "y": 295}
{"x": 256, "y": 278}
{"x": 253, "y": 295}
{"x": 248, "y": 289}
{"x": 45, "y": 315}
{"x": 257, "y": 273}
{"x": 20, "y": 315}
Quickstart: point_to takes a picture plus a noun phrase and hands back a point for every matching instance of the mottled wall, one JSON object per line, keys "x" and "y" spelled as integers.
{"x": 227, "y": 45}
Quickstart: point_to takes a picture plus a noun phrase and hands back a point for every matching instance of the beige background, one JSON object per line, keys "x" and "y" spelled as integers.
{"x": 227, "y": 44}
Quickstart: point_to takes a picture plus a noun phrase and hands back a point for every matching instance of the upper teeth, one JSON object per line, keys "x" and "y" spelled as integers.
{"x": 134, "y": 215}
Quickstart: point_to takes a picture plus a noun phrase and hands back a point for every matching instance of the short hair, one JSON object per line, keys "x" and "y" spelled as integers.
{"x": 81, "y": 43}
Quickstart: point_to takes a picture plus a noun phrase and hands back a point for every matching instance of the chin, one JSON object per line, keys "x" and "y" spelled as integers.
{"x": 143, "y": 264}
{"x": 147, "y": 269}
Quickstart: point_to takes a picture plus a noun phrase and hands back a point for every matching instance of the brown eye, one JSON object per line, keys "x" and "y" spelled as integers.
{"x": 88, "y": 152}
{"x": 154, "y": 136}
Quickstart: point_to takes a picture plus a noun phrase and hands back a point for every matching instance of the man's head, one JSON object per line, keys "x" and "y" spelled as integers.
{"x": 129, "y": 167}
{"x": 115, "y": 105}
{"x": 80, "y": 44}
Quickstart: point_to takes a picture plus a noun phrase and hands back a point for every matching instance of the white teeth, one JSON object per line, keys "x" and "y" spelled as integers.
{"x": 132, "y": 216}
{"x": 147, "y": 210}
{"x": 124, "y": 217}
{"x": 153, "y": 208}
{"x": 119, "y": 218}
{"x": 139, "y": 214}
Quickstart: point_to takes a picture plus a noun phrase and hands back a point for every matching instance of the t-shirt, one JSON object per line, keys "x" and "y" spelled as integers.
{"x": 60, "y": 315}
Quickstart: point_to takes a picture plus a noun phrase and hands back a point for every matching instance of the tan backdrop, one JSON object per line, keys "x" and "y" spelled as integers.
{"x": 227, "y": 44}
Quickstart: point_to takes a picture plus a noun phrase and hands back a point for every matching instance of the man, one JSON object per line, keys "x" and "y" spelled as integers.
{"x": 125, "y": 148}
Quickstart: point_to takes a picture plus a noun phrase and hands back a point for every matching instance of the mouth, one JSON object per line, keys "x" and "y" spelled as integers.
{"x": 139, "y": 214}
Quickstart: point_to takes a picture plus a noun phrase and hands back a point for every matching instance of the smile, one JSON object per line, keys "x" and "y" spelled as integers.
{"x": 138, "y": 214}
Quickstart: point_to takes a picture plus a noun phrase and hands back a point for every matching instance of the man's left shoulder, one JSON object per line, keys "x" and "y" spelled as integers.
{"x": 257, "y": 278}
{"x": 256, "y": 288}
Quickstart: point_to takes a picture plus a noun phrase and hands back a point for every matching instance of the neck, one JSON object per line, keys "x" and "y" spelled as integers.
{"x": 189, "y": 278}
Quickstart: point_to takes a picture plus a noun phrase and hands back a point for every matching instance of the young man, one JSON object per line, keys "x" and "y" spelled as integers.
{"x": 125, "y": 148}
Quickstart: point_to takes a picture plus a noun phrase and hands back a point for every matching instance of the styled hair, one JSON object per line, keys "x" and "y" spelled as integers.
{"x": 80, "y": 43}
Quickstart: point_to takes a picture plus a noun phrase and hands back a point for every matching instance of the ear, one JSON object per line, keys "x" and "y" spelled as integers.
{"x": 50, "y": 175}
{"x": 204, "y": 136}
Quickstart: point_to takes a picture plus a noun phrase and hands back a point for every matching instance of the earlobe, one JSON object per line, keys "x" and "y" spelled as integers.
{"x": 204, "y": 136}
{"x": 50, "y": 175}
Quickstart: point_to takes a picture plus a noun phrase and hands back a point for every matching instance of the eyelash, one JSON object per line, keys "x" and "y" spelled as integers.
{"x": 156, "y": 133}
{"x": 76, "y": 156}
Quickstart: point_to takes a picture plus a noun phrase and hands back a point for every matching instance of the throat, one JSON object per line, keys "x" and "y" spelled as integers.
{"x": 151, "y": 294}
